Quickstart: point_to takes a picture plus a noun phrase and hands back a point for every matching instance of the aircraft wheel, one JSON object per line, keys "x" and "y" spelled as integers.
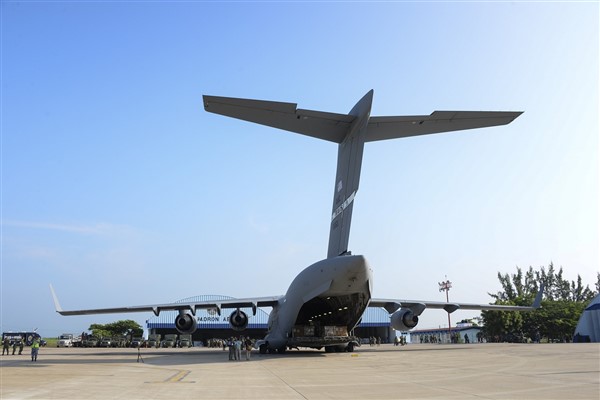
{"x": 350, "y": 347}
{"x": 262, "y": 349}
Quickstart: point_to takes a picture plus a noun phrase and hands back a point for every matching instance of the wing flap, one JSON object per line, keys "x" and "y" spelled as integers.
{"x": 383, "y": 128}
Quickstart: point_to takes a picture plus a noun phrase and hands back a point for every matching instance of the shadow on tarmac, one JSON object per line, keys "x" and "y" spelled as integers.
{"x": 193, "y": 356}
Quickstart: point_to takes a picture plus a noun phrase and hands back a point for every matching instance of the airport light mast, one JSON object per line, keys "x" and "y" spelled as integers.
{"x": 445, "y": 286}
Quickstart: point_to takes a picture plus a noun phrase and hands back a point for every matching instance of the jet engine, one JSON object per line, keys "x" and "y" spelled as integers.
{"x": 186, "y": 323}
{"x": 238, "y": 320}
{"x": 404, "y": 319}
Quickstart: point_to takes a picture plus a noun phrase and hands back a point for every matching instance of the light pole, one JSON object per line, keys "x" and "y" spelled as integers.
{"x": 445, "y": 286}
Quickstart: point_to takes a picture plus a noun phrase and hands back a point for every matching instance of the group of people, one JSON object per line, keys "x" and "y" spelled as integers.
{"x": 35, "y": 347}
{"x": 399, "y": 340}
{"x": 374, "y": 341}
{"x": 15, "y": 344}
{"x": 236, "y": 344}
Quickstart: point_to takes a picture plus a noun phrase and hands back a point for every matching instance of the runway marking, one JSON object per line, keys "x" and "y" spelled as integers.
{"x": 177, "y": 378}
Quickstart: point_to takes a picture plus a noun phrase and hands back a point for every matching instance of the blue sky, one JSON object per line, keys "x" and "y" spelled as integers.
{"x": 118, "y": 188}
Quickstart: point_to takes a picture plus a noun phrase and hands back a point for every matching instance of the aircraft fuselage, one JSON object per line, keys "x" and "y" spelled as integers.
{"x": 330, "y": 293}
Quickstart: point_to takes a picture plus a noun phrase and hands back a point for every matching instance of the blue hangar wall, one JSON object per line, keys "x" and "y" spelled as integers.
{"x": 375, "y": 322}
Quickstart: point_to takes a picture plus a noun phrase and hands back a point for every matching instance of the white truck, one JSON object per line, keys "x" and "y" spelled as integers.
{"x": 65, "y": 340}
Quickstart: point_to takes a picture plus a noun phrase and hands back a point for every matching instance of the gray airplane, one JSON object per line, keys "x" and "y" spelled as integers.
{"x": 327, "y": 299}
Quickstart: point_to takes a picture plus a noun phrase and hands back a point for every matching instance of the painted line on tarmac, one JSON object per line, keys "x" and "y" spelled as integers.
{"x": 177, "y": 378}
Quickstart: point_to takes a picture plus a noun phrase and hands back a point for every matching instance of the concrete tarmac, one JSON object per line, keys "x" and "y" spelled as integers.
{"x": 415, "y": 371}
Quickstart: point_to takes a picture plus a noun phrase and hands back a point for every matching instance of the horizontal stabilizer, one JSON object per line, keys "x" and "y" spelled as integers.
{"x": 382, "y": 128}
{"x": 286, "y": 116}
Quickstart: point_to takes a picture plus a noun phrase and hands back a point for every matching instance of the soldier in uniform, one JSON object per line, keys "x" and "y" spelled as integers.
{"x": 5, "y": 346}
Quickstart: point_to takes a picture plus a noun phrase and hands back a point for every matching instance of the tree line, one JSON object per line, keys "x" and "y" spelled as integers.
{"x": 122, "y": 328}
{"x": 562, "y": 305}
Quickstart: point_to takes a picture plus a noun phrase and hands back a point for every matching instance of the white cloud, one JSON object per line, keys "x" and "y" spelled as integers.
{"x": 100, "y": 228}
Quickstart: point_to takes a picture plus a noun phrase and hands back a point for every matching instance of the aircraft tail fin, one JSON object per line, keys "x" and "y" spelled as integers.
{"x": 351, "y": 131}
{"x": 350, "y": 152}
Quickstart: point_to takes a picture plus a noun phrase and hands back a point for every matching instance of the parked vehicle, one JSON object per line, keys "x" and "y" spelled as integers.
{"x": 185, "y": 340}
{"x": 90, "y": 341}
{"x": 154, "y": 340}
{"x": 65, "y": 340}
{"x": 169, "y": 341}
{"x": 25, "y": 337}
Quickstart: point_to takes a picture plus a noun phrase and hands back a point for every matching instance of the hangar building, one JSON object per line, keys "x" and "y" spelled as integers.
{"x": 375, "y": 322}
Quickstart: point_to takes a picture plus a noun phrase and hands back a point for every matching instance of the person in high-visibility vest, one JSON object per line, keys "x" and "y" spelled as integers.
{"x": 35, "y": 347}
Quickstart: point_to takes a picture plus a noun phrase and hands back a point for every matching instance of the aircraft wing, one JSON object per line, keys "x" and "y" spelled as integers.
{"x": 392, "y": 305}
{"x": 252, "y": 302}
{"x": 318, "y": 124}
{"x": 382, "y": 128}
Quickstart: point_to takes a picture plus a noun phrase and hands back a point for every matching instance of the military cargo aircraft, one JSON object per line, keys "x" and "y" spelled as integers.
{"x": 327, "y": 299}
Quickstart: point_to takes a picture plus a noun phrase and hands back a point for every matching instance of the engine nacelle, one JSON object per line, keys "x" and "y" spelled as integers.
{"x": 404, "y": 320}
{"x": 238, "y": 320}
{"x": 186, "y": 323}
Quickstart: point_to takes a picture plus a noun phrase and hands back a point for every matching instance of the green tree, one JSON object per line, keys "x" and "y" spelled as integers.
{"x": 120, "y": 328}
{"x": 99, "y": 330}
{"x": 562, "y": 305}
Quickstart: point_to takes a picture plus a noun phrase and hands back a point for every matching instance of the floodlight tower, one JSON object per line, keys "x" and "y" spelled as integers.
{"x": 445, "y": 286}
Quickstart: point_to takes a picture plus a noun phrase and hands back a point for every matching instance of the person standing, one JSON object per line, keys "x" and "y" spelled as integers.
{"x": 5, "y": 345}
{"x": 231, "y": 349}
{"x": 35, "y": 347}
{"x": 248, "y": 345}
{"x": 238, "y": 348}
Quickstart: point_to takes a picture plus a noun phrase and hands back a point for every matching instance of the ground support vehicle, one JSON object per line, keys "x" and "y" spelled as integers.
{"x": 65, "y": 340}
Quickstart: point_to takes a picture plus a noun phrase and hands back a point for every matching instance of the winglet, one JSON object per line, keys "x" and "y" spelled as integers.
{"x": 56, "y": 303}
{"x": 538, "y": 297}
